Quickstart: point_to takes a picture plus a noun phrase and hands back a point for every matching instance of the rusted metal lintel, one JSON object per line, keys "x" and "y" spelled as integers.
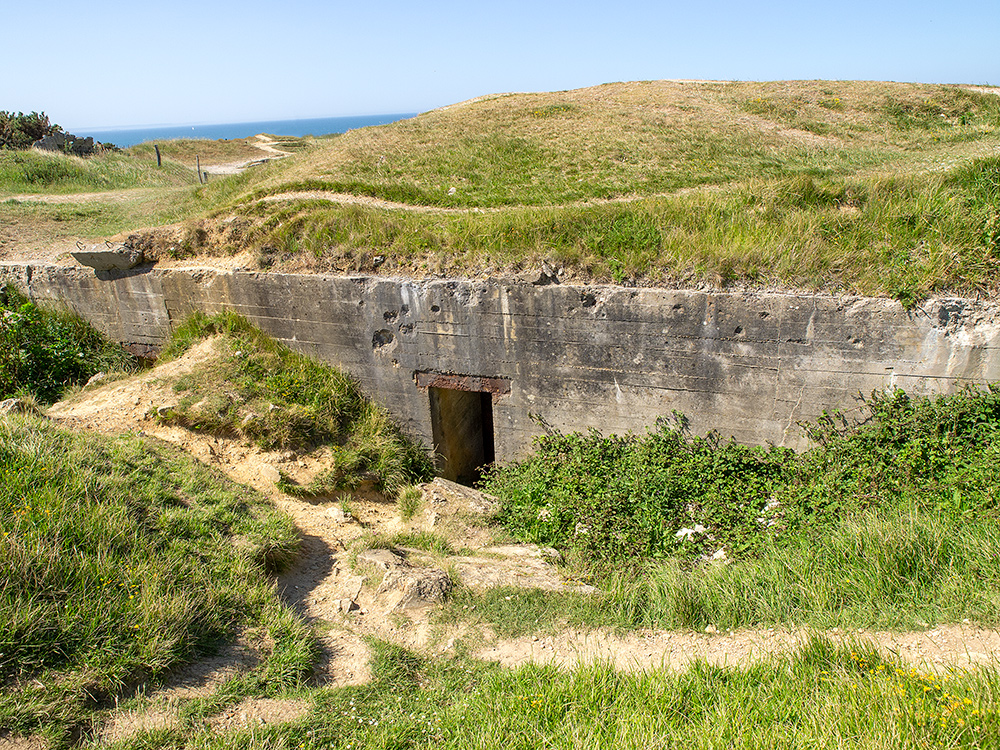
{"x": 475, "y": 383}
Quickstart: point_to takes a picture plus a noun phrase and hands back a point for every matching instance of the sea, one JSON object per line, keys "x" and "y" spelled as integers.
{"x": 125, "y": 137}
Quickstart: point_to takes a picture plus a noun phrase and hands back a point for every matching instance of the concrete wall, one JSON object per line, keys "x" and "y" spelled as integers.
{"x": 748, "y": 365}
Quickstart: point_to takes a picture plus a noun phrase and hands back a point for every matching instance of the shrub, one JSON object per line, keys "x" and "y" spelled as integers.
{"x": 42, "y": 351}
{"x": 628, "y": 497}
{"x": 20, "y": 131}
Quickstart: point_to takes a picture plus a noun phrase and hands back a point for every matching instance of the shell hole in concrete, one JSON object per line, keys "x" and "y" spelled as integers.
{"x": 462, "y": 423}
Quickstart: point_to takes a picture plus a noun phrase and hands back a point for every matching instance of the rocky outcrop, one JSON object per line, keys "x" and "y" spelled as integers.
{"x": 67, "y": 143}
{"x": 405, "y": 586}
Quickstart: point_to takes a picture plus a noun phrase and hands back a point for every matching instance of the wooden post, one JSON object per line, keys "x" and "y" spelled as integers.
{"x": 157, "y": 149}
{"x": 197, "y": 161}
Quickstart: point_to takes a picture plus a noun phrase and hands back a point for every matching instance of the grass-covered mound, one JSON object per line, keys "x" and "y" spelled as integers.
{"x": 262, "y": 390}
{"x": 119, "y": 559}
{"x": 642, "y": 139}
{"x": 899, "y": 235}
{"x": 890, "y": 522}
{"x": 35, "y": 171}
{"x": 42, "y": 352}
{"x": 873, "y": 188}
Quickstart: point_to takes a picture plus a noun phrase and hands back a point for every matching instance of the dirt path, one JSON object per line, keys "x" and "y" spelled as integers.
{"x": 325, "y": 587}
{"x": 261, "y": 142}
{"x": 112, "y": 196}
{"x": 962, "y": 646}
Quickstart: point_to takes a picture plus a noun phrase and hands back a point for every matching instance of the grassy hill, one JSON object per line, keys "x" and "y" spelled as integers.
{"x": 877, "y": 188}
{"x": 863, "y": 187}
{"x": 644, "y": 139}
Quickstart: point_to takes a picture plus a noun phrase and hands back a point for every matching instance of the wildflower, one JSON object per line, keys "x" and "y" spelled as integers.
{"x": 686, "y": 533}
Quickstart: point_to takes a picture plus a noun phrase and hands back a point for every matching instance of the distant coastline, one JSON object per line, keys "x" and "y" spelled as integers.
{"x": 124, "y": 137}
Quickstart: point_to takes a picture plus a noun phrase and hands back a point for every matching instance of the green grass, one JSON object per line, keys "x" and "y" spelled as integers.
{"x": 192, "y": 151}
{"x": 873, "y": 571}
{"x": 37, "y": 223}
{"x": 888, "y": 523}
{"x": 47, "y": 172}
{"x": 641, "y": 139}
{"x": 822, "y": 696}
{"x": 263, "y": 391}
{"x": 43, "y": 352}
{"x": 897, "y": 197}
{"x": 120, "y": 559}
{"x": 902, "y": 236}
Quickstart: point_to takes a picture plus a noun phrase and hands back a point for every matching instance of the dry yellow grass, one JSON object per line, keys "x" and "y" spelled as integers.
{"x": 643, "y": 138}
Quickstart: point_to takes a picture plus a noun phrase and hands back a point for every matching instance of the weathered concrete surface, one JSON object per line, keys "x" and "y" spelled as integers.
{"x": 748, "y": 365}
{"x": 105, "y": 258}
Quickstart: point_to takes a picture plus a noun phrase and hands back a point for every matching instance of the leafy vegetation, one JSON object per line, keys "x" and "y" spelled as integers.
{"x": 20, "y": 131}
{"x": 891, "y": 522}
{"x": 44, "y": 351}
{"x": 622, "y": 497}
{"x": 119, "y": 559}
{"x": 262, "y": 390}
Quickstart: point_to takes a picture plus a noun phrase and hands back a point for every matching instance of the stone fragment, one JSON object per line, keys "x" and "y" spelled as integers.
{"x": 419, "y": 586}
{"x": 540, "y": 277}
{"x": 381, "y": 559}
{"x": 104, "y": 258}
{"x": 339, "y": 515}
{"x": 444, "y": 492}
{"x": 269, "y": 473}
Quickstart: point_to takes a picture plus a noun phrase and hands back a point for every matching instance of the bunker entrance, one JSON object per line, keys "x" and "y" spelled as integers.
{"x": 463, "y": 433}
{"x": 462, "y": 422}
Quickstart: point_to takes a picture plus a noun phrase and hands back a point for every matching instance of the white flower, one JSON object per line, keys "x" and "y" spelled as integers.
{"x": 686, "y": 533}
{"x": 720, "y": 554}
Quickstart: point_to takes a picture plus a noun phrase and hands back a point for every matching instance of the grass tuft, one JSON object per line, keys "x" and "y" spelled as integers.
{"x": 121, "y": 559}
{"x": 263, "y": 391}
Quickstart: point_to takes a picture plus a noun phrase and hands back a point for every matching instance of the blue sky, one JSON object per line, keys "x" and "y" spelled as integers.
{"x": 103, "y": 63}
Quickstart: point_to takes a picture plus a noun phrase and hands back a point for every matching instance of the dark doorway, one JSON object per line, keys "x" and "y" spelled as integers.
{"x": 462, "y": 422}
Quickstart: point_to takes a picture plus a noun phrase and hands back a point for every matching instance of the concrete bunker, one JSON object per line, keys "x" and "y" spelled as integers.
{"x": 462, "y": 425}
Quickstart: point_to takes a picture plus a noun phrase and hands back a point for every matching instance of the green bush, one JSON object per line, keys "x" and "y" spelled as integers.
{"x": 629, "y": 497}
{"x": 21, "y": 130}
{"x": 43, "y": 351}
